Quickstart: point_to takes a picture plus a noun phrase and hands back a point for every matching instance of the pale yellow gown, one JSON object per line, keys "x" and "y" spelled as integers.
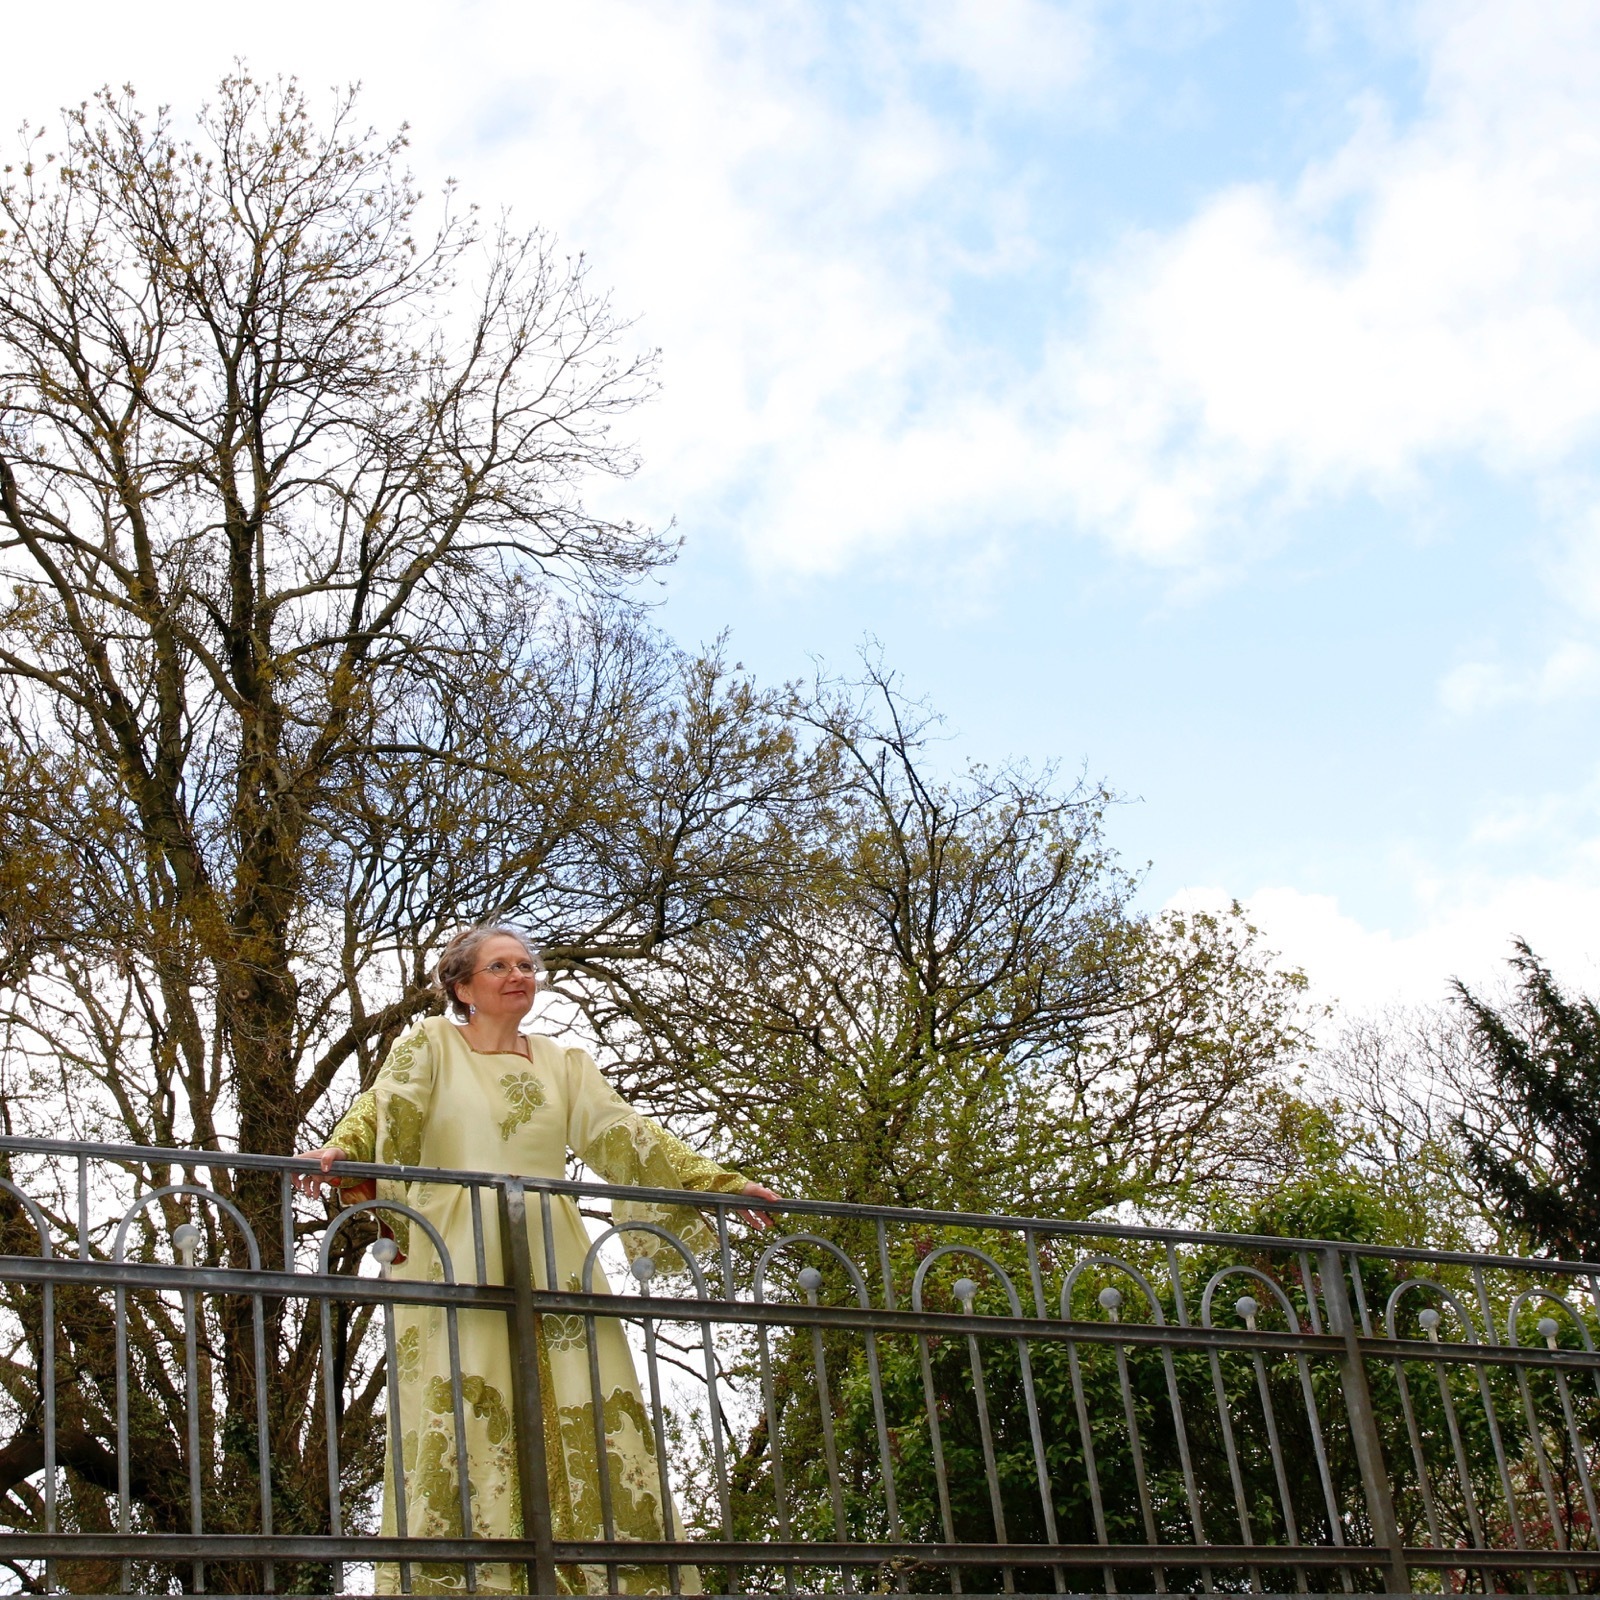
{"x": 437, "y": 1102}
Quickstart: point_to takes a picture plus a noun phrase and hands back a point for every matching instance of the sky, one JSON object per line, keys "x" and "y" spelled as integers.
{"x": 1203, "y": 397}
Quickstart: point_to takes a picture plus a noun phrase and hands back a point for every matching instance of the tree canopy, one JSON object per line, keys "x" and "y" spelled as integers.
{"x": 312, "y": 649}
{"x": 1540, "y": 1158}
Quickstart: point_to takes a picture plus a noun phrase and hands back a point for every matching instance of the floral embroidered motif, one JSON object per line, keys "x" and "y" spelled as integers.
{"x": 525, "y": 1095}
{"x": 408, "y": 1353}
{"x": 404, "y": 1055}
{"x": 566, "y": 1333}
{"x": 637, "y": 1151}
{"x": 402, "y": 1133}
{"x": 433, "y": 1495}
{"x": 630, "y": 1468}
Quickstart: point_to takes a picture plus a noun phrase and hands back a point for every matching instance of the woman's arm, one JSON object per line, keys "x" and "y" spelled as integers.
{"x": 354, "y": 1139}
{"x": 624, "y": 1146}
{"x": 406, "y": 1075}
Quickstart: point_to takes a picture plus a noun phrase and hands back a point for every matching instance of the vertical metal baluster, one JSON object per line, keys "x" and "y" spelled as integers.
{"x": 966, "y": 1292}
{"x": 1309, "y": 1284}
{"x": 887, "y": 1273}
{"x": 729, "y": 1292}
{"x": 1418, "y": 1456}
{"x": 551, "y": 1281}
{"x": 1111, "y": 1300}
{"x": 1319, "y": 1444}
{"x": 258, "y": 1317}
{"x": 83, "y": 1208}
{"x": 810, "y": 1282}
{"x": 458, "y": 1408}
{"x": 286, "y": 1224}
{"x": 885, "y": 1454}
{"x": 533, "y": 1477}
{"x": 1174, "y": 1272}
{"x": 552, "y": 1284}
{"x": 330, "y": 1413}
{"x": 1319, "y": 1448}
{"x": 1091, "y": 1469}
{"x": 1058, "y": 1574}
{"x": 383, "y": 1251}
{"x": 1361, "y": 1297}
{"x": 644, "y": 1270}
{"x": 1429, "y": 1318}
{"x": 930, "y": 1400}
{"x": 1247, "y": 1307}
{"x": 725, "y": 1255}
{"x": 719, "y": 1461}
{"x": 47, "y": 1356}
{"x": 124, "y": 1497}
{"x": 1035, "y": 1276}
{"x": 1314, "y": 1317}
{"x": 780, "y": 1492}
{"x": 1486, "y": 1395}
{"x": 1191, "y": 1488}
{"x": 1240, "y": 1504}
{"x": 1363, "y": 1421}
{"x": 1041, "y": 1462}
{"x": 187, "y": 1237}
{"x": 1549, "y": 1330}
{"x": 1594, "y": 1299}
{"x": 608, "y": 1519}
{"x": 1542, "y": 1463}
{"x": 1362, "y": 1310}
{"x": 479, "y": 1257}
{"x": 286, "y": 1218}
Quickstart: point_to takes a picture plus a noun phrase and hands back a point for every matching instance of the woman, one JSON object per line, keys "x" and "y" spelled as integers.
{"x": 480, "y": 1095}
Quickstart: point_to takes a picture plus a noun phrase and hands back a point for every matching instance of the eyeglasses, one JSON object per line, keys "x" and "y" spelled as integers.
{"x": 498, "y": 969}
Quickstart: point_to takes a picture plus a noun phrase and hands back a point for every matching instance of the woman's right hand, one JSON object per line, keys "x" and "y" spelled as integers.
{"x": 312, "y": 1183}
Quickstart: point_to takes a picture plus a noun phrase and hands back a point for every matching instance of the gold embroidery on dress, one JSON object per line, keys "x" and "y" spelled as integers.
{"x": 525, "y": 1095}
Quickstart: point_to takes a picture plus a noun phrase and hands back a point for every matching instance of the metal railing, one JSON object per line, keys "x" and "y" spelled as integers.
{"x": 863, "y": 1398}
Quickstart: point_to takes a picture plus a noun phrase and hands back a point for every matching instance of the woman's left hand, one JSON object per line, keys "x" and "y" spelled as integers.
{"x": 760, "y": 1219}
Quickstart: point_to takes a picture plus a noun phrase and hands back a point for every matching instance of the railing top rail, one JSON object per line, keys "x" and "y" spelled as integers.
{"x": 148, "y": 1155}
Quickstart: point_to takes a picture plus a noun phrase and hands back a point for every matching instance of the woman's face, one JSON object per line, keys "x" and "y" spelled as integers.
{"x": 504, "y": 983}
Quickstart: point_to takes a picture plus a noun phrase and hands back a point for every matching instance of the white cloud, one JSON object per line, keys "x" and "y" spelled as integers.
{"x": 1570, "y": 671}
{"x": 772, "y": 190}
{"x": 1421, "y": 296}
{"x": 1463, "y": 929}
{"x": 1019, "y": 50}
{"x": 792, "y": 218}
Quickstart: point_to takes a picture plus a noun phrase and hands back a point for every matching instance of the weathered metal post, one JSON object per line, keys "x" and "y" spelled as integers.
{"x": 1364, "y": 1426}
{"x": 527, "y": 1402}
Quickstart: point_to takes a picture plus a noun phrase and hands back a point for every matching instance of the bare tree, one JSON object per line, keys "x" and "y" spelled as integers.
{"x": 309, "y": 647}
{"x": 948, "y": 999}
{"x": 273, "y": 479}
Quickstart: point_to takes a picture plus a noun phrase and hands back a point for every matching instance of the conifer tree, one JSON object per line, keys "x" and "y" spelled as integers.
{"x": 1541, "y": 1052}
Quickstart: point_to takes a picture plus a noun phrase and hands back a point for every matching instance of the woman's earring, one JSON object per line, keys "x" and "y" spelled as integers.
{"x": 472, "y": 1011}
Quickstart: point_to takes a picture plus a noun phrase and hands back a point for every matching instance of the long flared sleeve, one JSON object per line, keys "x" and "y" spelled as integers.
{"x": 398, "y": 1100}
{"x": 626, "y": 1147}
{"x": 385, "y": 1123}
{"x": 402, "y": 1095}
{"x": 357, "y": 1133}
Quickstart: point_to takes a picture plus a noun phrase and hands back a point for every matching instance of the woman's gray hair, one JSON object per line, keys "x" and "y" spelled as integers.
{"x": 459, "y": 959}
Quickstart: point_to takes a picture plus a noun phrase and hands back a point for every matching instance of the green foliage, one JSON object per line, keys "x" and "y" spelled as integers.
{"x": 948, "y": 1000}
{"x": 1541, "y": 1055}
